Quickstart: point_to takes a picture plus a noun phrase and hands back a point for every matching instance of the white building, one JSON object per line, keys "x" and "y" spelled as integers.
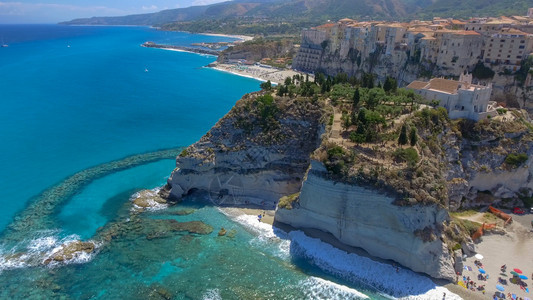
{"x": 462, "y": 99}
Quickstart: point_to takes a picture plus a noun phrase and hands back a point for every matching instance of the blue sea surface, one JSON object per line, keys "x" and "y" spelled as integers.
{"x": 84, "y": 113}
{"x": 76, "y": 97}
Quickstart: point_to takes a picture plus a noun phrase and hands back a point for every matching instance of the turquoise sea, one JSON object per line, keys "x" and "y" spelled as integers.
{"x": 88, "y": 118}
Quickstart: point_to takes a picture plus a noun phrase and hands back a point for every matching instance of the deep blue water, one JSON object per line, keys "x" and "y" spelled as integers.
{"x": 83, "y": 112}
{"x": 68, "y": 108}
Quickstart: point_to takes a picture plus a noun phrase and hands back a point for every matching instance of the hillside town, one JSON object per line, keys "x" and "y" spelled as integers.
{"x": 454, "y": 46}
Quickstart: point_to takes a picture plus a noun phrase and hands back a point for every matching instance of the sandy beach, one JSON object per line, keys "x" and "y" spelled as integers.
{"x": 240, "y": 37}
{"x": 512, "y": 247}
{"x": 257, "y": 72}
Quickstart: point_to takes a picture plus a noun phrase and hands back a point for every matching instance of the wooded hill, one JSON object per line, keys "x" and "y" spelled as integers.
{"x": 310, "y": 12}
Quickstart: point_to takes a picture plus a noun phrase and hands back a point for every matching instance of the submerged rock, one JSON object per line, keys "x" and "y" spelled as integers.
{"x": 222, "y": 232}
{"x": 148, "y": 199}
{"x": 197, "y": 227}
{"x": 70, "y": 251}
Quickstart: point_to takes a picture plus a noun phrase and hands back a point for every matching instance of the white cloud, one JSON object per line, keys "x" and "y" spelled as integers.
{"x": 47, "y": 11}
{"x": 205, "y": 2}
{"x": 150, "y": 8}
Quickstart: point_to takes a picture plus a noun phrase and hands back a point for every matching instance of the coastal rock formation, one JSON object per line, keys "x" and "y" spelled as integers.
{"x": 362, "y": 217}
{"x": 489, "y": 162}
{"x": 70, "y": 251}
{"x": 147, "y": 199}
{"x": 256, "y": 154}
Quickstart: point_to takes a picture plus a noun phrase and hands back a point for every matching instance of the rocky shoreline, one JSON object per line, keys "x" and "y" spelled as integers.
{"x": 181, "y": 48}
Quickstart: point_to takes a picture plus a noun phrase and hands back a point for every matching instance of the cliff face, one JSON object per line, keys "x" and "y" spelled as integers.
{"x": 481, "y": 170}
{"x": 406, "y": 67}
{"x": 256, "y": 154}
{"x": 361, "y": 217}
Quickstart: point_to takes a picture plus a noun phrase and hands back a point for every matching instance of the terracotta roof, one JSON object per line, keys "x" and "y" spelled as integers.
{"x": 457, "y": 22}
{"x": 514, "y": 31}
{"x": 325, "y": 26}
{"x": 443, "y": 85}
{"x": 417, "y": 85}
{"x": 459, "y": 32}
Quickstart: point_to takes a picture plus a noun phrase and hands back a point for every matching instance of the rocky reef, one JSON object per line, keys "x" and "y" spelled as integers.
{"x": 254, "y": 155}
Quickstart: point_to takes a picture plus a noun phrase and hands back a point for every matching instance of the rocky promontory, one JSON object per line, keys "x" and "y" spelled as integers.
{"x": 254, "y": 155}
{"x": 330, "y": 155}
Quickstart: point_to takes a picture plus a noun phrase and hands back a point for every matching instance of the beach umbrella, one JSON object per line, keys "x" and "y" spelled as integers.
{"x": 514, "y": 273}
{"x": 478, "y": 256}
{"x": 518, "y": 271}
{"x": 500, "y": 288}
{"x": 481, "y": 271}
{"x": 522, "y": 276}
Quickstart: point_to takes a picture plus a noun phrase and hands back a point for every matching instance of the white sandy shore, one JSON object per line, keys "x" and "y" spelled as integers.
{"x": 260, "y": 73}
{"x": 240, "y": 37}
{"x": 514, "y": 249}
{"x": 351, "y": 266}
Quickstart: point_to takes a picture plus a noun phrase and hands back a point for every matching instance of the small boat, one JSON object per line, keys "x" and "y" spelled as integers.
{"x": 4, "y": 45}
{"x": 145, "y": 69}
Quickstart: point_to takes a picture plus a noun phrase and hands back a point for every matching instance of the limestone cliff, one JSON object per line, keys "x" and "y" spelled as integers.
{"x": 361, "y": 217}
{"x": 489, "y": 161}
{"x": 390, "y": 200}
{"x": 256, "y": 154}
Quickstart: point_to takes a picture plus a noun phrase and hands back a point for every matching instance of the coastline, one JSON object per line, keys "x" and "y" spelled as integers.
{"x": 330, "y": 255}
{"x": 243, "y": 38}
{"x": 256, "y": 72}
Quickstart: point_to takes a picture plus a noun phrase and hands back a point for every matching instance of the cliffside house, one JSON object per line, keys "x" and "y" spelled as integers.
{"x": 462, "y": 99}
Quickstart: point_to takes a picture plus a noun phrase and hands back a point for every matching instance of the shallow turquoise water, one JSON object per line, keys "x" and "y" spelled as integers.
{"x": 65, "y": 109}
{"x": 71, "y": 119}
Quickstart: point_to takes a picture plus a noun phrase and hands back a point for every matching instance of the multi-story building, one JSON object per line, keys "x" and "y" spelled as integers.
{"x": 458, "y": 49}
{"x": 461, "y": 99}
{"x": 508, "y": 46}
{"x": 451, "y": 46}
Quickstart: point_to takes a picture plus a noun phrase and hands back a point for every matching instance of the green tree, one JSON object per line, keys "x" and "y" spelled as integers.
{"x": 266, "y": 85}
{"x": 413, "y": 138}
{"x": 356, "y": 97}
{"x": 281, "y": 90}
{"x": 390, "y": 85}
{"x": 402, "y": 140}
{"x": 288, "y": 81}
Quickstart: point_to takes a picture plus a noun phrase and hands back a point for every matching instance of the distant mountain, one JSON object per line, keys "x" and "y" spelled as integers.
{"x": 316, "y": 9}
{"x": 320, "y": 10}
{"x": 475, "y": 8}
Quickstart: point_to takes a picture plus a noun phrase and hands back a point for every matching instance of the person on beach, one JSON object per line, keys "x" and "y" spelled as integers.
{"x": 259, "y": 218}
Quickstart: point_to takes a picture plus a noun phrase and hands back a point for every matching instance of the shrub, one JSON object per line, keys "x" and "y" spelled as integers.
{"x": 482, "y": 72}
{"x": 408, "y": 155}
{"x": 286, "y": 201}
{"x": 184, "y": 153}
{"x": 516, "y": 160}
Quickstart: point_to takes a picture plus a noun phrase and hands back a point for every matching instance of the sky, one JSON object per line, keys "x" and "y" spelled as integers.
{"x": 53, "y": 11}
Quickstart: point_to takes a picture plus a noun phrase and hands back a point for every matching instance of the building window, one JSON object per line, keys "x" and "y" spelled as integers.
{"x": 502, "y": 41}
{"x": 519, "y": 56}
{"x": 521, "y": 47}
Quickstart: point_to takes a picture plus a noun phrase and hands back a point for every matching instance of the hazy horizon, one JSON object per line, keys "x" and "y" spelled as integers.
{"x": 54, "y": 11}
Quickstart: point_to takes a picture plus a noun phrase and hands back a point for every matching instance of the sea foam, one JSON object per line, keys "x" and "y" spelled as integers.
{"x": 404, "y": 284}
